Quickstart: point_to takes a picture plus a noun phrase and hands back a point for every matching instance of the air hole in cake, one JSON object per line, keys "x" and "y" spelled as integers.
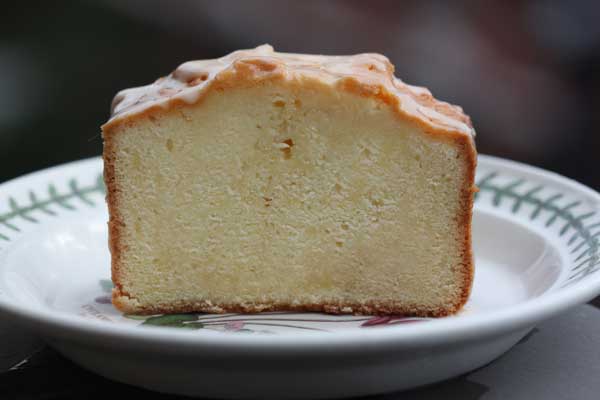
{"x": 286, "y": 148}
{"x": 169, "y": 145}
{"x": 279, "y": 103}
{"x": 297, "y": 103}
{"x": 345, "y": 226}
{"x": 339, "y": 243}
{"x": 185, "y": 116}
{"x": 337, "y": 187}
{"x": 268, "y": 201}
{"x": 375, "y": 201}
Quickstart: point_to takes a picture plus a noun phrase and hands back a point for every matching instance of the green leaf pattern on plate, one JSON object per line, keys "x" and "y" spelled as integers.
{"x": 585, "y": 236}
{"x": 45, "y": 204}
{"x": 187, "y": 321}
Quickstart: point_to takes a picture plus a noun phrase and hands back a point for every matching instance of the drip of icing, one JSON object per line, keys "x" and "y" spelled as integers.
{"x": 371, "y": 73}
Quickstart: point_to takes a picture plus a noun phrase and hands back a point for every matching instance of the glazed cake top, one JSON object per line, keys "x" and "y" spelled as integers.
{"x": 368, "y": 74}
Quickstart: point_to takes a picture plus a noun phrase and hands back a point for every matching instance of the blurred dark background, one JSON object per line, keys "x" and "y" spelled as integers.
{"x": 526, "y": 71}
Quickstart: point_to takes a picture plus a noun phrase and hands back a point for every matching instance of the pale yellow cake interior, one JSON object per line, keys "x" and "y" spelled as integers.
{"x": 282, "y": 194}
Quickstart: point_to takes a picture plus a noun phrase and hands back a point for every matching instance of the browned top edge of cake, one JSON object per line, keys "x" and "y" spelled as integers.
{"x": 368, "y": 74}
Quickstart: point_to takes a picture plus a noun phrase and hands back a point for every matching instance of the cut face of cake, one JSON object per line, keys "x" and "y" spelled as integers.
{"x": 268, "y": 181}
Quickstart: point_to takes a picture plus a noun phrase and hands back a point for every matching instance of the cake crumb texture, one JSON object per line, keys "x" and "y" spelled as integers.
{"x": 275, "y": 190}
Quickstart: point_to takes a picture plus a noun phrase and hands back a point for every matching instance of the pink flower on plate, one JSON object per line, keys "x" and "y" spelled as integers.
{"x": 234, "y": 325}
{"x": 390, "y": 320}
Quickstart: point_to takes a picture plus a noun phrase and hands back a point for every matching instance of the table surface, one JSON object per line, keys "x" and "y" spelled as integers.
{"x": 560, "y": 359}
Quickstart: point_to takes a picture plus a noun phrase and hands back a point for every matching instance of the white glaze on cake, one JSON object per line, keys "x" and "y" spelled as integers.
{"x": 373, "y": 71}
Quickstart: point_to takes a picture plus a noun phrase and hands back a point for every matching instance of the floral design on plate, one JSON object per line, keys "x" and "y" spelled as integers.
{"x": 250, "y": 323}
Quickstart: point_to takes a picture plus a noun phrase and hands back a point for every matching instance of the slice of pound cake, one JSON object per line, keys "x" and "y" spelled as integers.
{"x": 266, "y": 181}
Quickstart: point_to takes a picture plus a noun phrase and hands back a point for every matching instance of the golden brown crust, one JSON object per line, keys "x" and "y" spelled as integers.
{"x": 465, "y": 218}
{"x": 340, "y": 308}
{"x": 252, "y": 71}
{"x": 115, "y": 222}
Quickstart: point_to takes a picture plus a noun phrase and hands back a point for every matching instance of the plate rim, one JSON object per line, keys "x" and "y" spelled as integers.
{"x": 521, "y": 316}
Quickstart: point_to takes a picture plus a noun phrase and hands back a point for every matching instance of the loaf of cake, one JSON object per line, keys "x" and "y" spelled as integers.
{"x": 266, "y": 181}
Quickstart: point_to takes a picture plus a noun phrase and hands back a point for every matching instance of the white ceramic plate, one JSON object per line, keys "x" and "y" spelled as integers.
{"x": 536, "y": 239}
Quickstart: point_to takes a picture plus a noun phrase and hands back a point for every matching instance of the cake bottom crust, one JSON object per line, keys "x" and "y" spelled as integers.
{"x": 126, "y": 305}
